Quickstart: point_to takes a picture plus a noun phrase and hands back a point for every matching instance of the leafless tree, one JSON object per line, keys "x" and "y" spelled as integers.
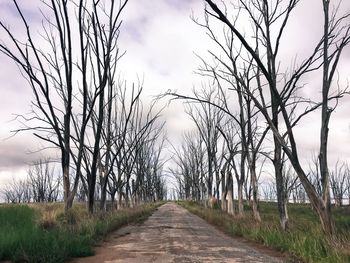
{"x": 43, "y": 182}
{"x": 232, "y": 139}
{"x": 40, "y": 185}
{"x": 206, "y": 118}
{"x": 269, "y": 190}
{"x": 52, "y": 74}
{"x": 114, "y": 149}
{"x": 338, "y": 178}
{"x": 264, "y": 15}
{"x": 229, "y": 136}
{"x": 17, "y": 191}
{"x": 249, "y": 138}
{"x": 347, "y": 182}
{"x": 239, "y": 71}
{"x": 191, "y": 166}
{"x": 298, "y": 193}
{"x": 314, "y": 175}
{"x": 290, "y": 181}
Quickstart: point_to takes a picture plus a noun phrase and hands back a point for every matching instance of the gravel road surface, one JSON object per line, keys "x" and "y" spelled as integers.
{"x": 172, "y": 234}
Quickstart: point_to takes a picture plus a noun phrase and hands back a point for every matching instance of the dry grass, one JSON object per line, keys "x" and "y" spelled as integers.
{"x": 304, "y": 240}
{"x": 43, "y": 233}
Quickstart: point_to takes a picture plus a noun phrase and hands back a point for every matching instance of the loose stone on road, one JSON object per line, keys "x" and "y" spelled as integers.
{"x": 172, "y": 234}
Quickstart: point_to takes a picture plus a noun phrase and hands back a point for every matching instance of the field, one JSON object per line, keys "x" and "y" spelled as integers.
{"x": 43, "y": 233}
{"x": 304, "y": 240}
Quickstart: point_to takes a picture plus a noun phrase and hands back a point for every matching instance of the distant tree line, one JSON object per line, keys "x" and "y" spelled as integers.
{"x": 339, "y": 185}
{"x": 40, "y": 185}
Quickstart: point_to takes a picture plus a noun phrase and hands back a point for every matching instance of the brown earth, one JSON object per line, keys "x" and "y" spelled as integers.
{"x": 172, "y": 234}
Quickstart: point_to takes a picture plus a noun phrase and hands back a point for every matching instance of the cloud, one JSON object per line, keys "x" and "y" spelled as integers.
{"x": 181, "y": 5}
{"x": 22, "y": 150}
{"x": 15, "y": 153}
{"x": 160, "y": 39}
{"x": 7, "y": 176}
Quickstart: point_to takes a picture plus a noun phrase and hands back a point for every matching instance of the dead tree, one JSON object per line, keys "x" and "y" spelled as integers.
{"x": 338, "y": 178}
{"x": 105, "y": 50}
{"x": 326, "y": 55}
{"x": 52, "y": 74}
{"x": 18, "y": 191}
{"x": 226, "y": 174}
{"x": 206, "y": 118}
{"x": 148, "y": 164}
{"x": 242, "y": 81}
{"x": 44, "y": 184}
{"x": 191, "y": 163}
{"x": 347, "y": 184}
{"x": 119, "y": 113}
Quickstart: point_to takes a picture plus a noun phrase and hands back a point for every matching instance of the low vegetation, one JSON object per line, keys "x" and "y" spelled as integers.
{"x": 44, "y": 233}
{"x": 304, "y": 239}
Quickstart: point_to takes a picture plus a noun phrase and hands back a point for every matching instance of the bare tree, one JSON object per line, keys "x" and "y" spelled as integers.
{"x": 338, "y": 178}
{"x": 51, "y": 74}
{"x": 226, "y": 174}
{"x": 105, "y": 51}
{"x": 347, "y": 184}
{"x": 298, "y": 193}
{"x": 240, "y": 131}
{"x": 326, "y": 55}
{"x": 269, "y": 190}
{"x": 206, "y": 118}
{"x": 18, "y": 191}
{"x": 44, "y": 184}
{"x": 191, "y": 168}
{"x": 290, "y": 181}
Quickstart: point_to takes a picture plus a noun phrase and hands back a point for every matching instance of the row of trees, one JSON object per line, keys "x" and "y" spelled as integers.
{"x": 97, "y": 122}
{"x": 339, "y": 185}
{"x": 256, "y": 100}
{"x": 40, "y": 185}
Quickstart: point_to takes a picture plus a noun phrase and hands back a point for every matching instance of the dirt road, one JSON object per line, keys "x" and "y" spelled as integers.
{"x": 172, "y": 234}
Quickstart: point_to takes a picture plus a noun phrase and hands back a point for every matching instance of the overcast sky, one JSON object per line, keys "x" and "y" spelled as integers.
{"x": 160, "y": 39}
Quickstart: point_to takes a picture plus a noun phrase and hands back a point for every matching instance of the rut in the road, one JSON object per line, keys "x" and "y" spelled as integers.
{"x": 172, "y": 234}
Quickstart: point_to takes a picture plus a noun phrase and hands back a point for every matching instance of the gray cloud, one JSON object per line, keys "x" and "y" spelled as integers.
{"x": 22, "y": 150}
{"x": 160, "y": 39}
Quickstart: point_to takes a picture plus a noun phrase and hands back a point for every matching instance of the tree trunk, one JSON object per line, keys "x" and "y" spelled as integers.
{"x": 230, "y": 204}
{"x": 127, "y": 190}
{"x": 223, "y": 192}
{"x": 217, "y": 176}
{"x": 326, "y": 220}
{"x": 240, "y": 198}
{"x": 210, "y": 181}
{"x": 282, "y": 200}
{"x": 68, "y": 202}
{"x": 256, "y": 213}
{"x": 103, "y": 206}
{"x": 278, "y": 165}
{"x": 120, "y": 199}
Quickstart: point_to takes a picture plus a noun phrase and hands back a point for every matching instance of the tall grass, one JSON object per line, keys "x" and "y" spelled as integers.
{"x": 303, "y": 241}
{"x": 45, "y": 234}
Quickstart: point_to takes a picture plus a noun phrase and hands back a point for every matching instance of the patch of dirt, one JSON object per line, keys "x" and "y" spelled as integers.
{"x": 172, "y": 234}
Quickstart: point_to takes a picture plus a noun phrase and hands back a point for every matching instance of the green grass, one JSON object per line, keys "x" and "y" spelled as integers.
{"x": 304, "y": 240}
{"x": 45, "y": 234}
